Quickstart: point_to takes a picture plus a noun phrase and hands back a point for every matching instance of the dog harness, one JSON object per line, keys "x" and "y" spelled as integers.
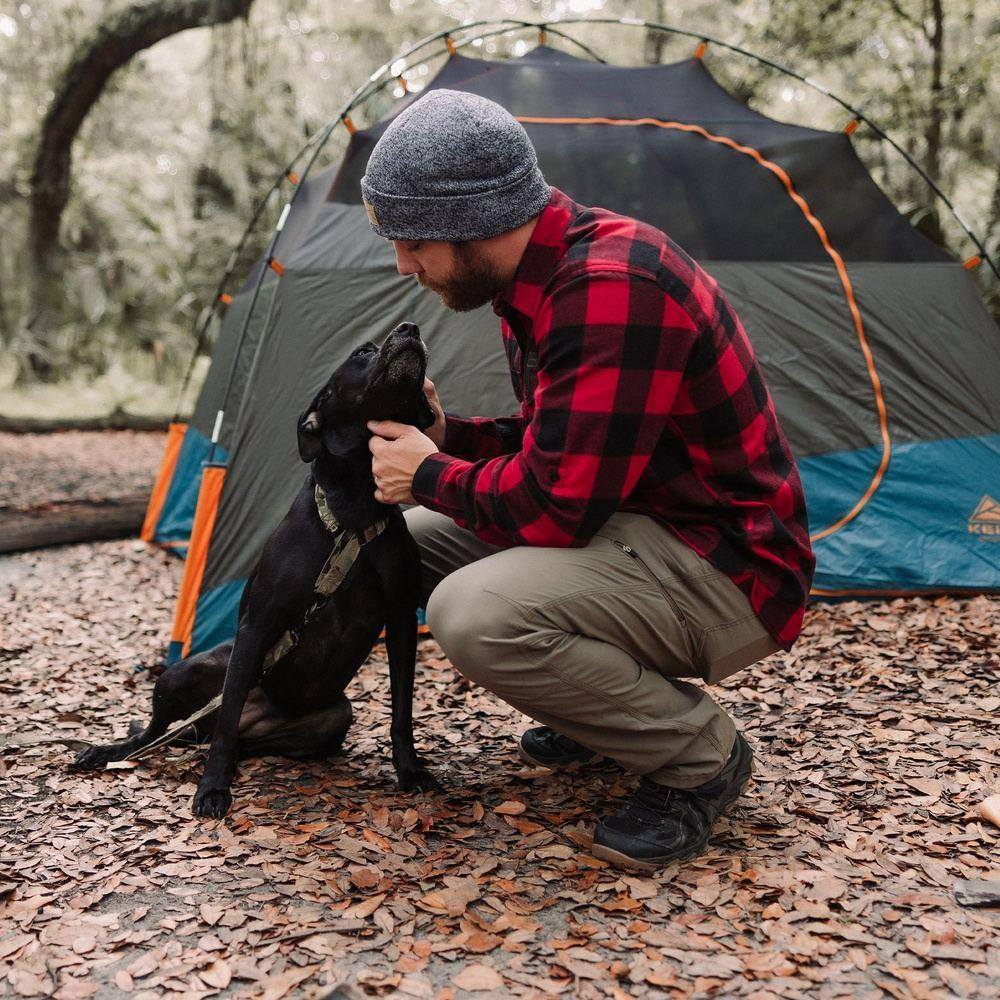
{"x": 347, "y": 546}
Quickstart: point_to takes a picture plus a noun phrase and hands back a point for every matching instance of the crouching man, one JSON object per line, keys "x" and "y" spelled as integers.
{"x": 641, "y": 520}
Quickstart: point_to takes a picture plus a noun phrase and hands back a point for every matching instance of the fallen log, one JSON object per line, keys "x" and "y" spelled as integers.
{"x": 65, "y": 522}
{"x": 119, "y": 420}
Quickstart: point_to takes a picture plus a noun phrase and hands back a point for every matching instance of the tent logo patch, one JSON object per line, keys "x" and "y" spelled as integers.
{"x": 985, "y": 519}
{"x": 370, "y": 209}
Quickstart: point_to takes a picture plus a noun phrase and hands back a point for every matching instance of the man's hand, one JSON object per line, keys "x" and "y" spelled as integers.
{"x": 397, "y": 451}
{"x": 436, "y": 431}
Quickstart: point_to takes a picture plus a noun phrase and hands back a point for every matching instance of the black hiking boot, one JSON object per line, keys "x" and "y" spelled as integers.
{"x": 659, "y": 824}
{"x": 547, "y": 748}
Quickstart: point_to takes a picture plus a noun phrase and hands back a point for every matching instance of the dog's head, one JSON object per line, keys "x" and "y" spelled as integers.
{"x": 372, "y": 384}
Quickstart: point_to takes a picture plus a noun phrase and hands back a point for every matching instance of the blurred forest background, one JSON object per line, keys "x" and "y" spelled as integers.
{"x": 110, "y": 255}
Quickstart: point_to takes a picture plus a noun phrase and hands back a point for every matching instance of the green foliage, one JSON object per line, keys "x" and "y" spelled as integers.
{"x": 171, "y": 161}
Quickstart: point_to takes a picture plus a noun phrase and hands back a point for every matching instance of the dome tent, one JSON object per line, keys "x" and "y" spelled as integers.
{"x": 881, "y": 358}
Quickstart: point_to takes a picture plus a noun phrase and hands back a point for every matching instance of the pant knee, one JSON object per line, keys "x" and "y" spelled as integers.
{"x": 472, "y": 626}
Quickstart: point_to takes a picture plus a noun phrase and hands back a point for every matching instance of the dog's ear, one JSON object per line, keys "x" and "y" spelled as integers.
{"x": 310, "y": 439}
{"x": 341, "y": 441}
{"x": 425, "y": 415}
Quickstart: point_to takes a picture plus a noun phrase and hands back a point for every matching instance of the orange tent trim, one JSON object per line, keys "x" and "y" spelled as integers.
{"x": 175, "y": 437}
{"x": 212, "y": 480}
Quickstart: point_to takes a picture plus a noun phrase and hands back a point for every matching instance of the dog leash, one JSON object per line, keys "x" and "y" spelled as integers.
{"x": 347, "y": 546}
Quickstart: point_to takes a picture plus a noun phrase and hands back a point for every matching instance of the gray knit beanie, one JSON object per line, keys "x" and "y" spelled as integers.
{"x": 453, "y": 166}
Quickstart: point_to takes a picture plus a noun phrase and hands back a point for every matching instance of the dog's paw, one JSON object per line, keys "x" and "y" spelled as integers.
{"x": 418, "y": 779}
{"x": 94, "y": 758}
{"x": 212, "y": 803}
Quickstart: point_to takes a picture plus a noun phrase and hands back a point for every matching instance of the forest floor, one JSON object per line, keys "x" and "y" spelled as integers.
{"x": 834, "y": 875}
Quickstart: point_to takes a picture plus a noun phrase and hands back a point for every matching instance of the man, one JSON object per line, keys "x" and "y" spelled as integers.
{"x": 639, "y": 521}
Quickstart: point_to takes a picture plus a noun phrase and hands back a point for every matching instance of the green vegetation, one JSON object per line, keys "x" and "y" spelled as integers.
{"x": 186, "y": 136}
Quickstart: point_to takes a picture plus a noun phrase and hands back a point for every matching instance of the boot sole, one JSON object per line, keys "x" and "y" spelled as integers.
{"x": 620, "y": 860}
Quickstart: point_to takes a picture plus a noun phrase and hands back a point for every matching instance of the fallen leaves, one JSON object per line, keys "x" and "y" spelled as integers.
{"x": 874, "y": 751}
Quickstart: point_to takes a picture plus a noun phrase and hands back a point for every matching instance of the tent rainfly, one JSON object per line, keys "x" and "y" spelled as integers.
{"x": 882, "y": 359}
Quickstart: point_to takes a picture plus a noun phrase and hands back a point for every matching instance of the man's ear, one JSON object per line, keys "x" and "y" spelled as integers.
{"x": 341, "y": 441}
{"x": 425, "y": 415}
{"x": 310, "y": 442}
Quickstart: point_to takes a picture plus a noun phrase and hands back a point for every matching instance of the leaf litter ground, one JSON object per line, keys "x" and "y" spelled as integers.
{"x": 833, "y": 877}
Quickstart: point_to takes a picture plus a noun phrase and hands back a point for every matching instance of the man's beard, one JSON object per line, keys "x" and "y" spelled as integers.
{"x": 474, "y": 282}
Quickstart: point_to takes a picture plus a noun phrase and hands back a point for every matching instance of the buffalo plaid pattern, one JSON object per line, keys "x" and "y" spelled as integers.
{"x": 639, "y": 392}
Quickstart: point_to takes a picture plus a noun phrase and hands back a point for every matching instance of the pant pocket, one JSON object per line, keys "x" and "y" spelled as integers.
{"x": 684, "y": 662}
{"x": 731, "y": 646}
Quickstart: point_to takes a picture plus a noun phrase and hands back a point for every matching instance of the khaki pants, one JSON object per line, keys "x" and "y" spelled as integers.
{"x": 592, "y": 641}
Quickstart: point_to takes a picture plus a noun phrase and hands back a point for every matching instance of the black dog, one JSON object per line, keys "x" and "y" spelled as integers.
{"x": 316, "y": 643}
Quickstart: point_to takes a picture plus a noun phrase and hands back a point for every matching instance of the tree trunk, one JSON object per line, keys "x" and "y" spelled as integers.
{"x": 123, "y": 34}
{"x": 655, "y": 40}
{"x": 935, "y": 119}
{"x": 931, "y": 223}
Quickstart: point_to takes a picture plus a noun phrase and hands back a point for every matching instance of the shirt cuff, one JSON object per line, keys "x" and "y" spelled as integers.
{"x": 453, "y": 427}
{"x": 426, "y": 480}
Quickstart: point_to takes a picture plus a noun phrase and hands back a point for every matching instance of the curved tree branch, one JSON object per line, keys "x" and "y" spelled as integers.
{"x": 120, "y": 36}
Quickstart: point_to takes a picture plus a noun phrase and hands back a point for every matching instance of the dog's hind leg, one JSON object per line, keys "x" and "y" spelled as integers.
{"x": 306, "y": 737}
{"x": 179, "y": 692}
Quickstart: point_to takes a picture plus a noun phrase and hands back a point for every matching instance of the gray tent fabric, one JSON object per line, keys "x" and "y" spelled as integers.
{"x": 892, "y": 501}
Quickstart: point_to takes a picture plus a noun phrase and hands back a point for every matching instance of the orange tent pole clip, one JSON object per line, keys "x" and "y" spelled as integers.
{"x": 974, "y": 261}
{"x": 542, "y": 36}
{"x": 351, "y": 127}
{"x": 275, "y": 265}
{"x": 226, "y": 299}
{"x": 175, "y": 437}
{"x": 402, "y": 83}
{"x": 292, "y": 176}
{"x": 450, "y": 43}
{"x": 701, "y": 50}
{"x": 852, "y": 126}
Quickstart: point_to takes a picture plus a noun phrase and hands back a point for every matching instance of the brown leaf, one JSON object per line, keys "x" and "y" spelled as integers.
{"x": 366, "y": 907}
{"x": 218, "y": 974}
{"x": 510, "y": 808}
{"x": 453, "y": 899}
{"x": 478, "y": 978}
{"x": 366, "y": 878}
{"x": 210, "y": 913}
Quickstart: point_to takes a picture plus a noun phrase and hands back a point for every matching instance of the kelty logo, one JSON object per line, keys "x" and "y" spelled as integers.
{"x": 985, "y": 518}
{"x": 370, "y": 209}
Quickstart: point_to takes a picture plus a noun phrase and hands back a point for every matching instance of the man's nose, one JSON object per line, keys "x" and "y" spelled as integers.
{"x": 405, "y": 263}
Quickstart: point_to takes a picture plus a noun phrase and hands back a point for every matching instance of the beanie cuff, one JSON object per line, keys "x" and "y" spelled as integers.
{"x": 456, "y": 218}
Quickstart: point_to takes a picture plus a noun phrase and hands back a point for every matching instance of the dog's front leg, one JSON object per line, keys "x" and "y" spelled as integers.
{"x": 213, "y": 797}
{"x": 401, "y": 647}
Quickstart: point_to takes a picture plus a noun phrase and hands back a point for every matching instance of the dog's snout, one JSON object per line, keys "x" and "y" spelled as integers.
{"x": 408, "y": 330}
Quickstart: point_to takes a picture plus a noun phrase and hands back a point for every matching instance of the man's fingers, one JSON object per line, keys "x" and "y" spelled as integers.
{"x": 388, "y": 428}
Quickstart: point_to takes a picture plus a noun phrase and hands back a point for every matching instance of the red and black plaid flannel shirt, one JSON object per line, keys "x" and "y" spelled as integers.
{"x": 639, "y": 392}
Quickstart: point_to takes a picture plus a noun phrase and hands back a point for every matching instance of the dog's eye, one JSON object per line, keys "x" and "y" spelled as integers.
{"x": 365, "y": 349}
